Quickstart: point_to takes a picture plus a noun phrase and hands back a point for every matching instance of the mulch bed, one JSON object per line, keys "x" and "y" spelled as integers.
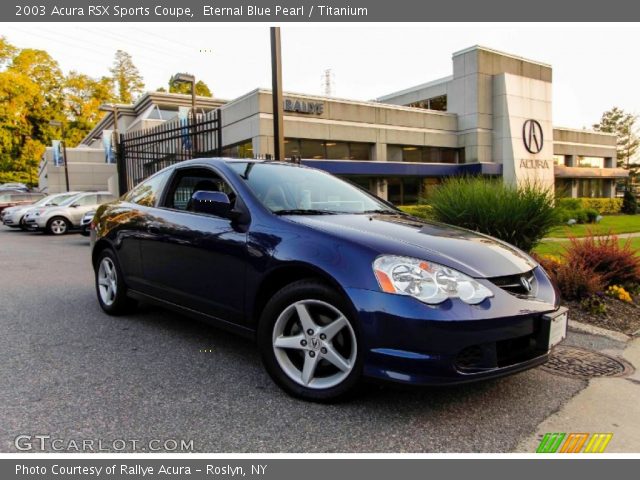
{"x": 620, "y": 316}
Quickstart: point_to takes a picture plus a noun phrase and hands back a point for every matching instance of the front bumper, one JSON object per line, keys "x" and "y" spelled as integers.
{"x": 36, "y": 223}
{"x": 408, "y": 341}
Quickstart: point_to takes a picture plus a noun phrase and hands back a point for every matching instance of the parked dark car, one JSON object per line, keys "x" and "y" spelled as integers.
{"x": 333, "y": 283}
{"x": 10, "y": 198}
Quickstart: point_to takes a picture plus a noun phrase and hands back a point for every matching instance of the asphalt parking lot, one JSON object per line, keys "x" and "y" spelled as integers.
{"x": 70, "y": 371}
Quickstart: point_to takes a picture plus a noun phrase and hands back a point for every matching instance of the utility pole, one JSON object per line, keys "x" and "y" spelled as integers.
{"x": 276, "y": 87}
{"x": 55, "y": 123}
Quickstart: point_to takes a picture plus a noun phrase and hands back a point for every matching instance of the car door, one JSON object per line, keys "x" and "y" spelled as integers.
{"x": 81, "y": 206}
{"x": 193, "y": 259}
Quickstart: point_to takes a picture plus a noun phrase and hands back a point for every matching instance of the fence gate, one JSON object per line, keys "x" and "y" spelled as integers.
{"x": 144, "y": 152}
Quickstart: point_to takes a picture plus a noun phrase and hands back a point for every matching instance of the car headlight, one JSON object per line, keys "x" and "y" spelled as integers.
{"x": 427, "y": 281}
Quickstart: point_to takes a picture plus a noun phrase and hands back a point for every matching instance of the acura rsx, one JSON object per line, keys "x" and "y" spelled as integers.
{"x": 333, "y": 283}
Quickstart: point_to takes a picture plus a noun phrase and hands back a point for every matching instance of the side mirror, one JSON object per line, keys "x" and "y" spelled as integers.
{"x": 212, "y": 203}
{"x": 74, "y": 205}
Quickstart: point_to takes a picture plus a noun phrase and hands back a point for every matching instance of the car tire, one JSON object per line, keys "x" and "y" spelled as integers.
{"x": 58, "y": 226}
{"x": 301, "y": 359}
{"x": 110, "y": 287}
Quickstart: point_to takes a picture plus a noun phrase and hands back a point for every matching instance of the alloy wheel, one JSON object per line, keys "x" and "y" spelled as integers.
{"x": 107, "y": 281}
{"x": 58, "y": 226}
{"x": 314, "y": 344}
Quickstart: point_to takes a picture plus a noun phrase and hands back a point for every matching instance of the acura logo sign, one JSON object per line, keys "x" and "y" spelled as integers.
{"x": 532, "y": 136}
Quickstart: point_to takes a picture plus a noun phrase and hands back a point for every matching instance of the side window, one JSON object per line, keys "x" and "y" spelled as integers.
{"x": 147, "y": 193}
{"x": 191, "y": 180}
{"x": 105, "y": 198}
{"x": 87, "y": 200}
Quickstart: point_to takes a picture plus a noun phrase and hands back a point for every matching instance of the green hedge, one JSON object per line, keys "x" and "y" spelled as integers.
{"x": 604, "y": 206}
{"x": 420, "y": 211}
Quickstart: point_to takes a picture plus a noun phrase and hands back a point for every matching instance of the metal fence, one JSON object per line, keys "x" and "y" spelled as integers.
{"x": 144, "y": 152}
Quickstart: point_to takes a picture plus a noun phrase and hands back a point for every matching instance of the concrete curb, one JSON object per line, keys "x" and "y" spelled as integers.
{"x": 603, "y": 332}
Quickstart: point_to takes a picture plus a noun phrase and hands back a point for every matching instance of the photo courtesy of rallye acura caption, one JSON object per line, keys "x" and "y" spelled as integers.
{"x": 335, "y": 285}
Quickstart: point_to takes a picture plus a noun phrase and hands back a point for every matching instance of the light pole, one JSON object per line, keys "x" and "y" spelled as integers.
{"x": 276, "y": 87}
{"x": 55, "y": 123}
{"x": 120, "y": 165}
{"x": 188, "y": 78}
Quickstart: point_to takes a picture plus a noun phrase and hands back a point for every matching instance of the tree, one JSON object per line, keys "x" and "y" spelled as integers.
{"x": 202, "y": 89}
{"x": 83, "y": 97}
{"x": 623, "y": 124}
{"x": 126, "y": 77}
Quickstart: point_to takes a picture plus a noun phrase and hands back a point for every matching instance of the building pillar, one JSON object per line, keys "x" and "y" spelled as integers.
{"x": 574, "y": 188}
{"x": 262, "y": 146}
{"x": 379, "y": 152}
{"x": 379, "y": 187}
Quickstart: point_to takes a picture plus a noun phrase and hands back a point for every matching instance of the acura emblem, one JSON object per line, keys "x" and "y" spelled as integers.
{"x": 526, "y": 283}
{"x": 532, "y": 136}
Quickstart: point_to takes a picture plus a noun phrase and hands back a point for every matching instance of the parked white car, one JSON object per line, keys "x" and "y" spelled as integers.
{"x": 60, "y": 219}
{"x": 14, "y": 216}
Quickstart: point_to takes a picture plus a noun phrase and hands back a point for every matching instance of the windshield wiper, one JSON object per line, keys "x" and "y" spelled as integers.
{"x": 381, "y": 212}
{"x": 304, "y": 211}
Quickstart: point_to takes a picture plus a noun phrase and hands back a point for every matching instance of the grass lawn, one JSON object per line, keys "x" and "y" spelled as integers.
{"x": 557, "y": 248}
{"x": 613, "y": 223}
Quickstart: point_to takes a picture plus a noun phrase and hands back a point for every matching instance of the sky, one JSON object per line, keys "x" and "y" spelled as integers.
{"x": 595, "y": 66}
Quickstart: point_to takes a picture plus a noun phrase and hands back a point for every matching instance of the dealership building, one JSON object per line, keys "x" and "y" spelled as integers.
{"x": 492, "y": 116}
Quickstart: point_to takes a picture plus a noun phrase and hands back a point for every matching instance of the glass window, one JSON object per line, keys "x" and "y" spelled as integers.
{"x": 191, "y": 180}
{"x": 559, "y": 160}
{"x": 593, "y": 162}
{"x": 86, "y": 200}
{"x": 239, "y": 150}
{"x": 103, "y": 198}
{"x": 422, "y": 154}
{"x": 591, "y": 187}
{"x": 148, "y": 192}
{"x": 327, "y": 149}
{"x": 296, "y": 190}
{"x": 434, "y": 103}
{"x": 563, "y": 188}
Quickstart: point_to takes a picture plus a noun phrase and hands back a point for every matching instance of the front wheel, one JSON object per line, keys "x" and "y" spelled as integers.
{"x": 58, "y": 226}
{"x": 309, "y": 342}
{"x": 110, "y": 286}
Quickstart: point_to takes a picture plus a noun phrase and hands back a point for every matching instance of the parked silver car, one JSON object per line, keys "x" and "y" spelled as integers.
{"x": 14, "y": 216}
{"x": 67, "y": 216}
{"x": 85, "y": 223}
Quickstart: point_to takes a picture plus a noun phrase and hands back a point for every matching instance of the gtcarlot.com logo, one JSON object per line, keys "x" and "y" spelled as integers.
{"x": 43, "y": 443}
{"x": 574, "y": 442}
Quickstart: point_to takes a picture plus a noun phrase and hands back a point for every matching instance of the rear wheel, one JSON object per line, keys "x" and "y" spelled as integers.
{"x": 309, "y": 342}
{"x": 58, "y": 226}
{"x": 110, "y": 287}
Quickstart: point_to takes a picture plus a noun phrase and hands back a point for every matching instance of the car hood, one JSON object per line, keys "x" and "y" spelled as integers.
{"x": 472, "y": 253}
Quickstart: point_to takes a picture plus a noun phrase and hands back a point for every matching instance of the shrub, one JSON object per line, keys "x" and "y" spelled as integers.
{"x": 594, "y": 304}
{"x": 606, "y": 206}
{"x": 629, "y": 203}
{"x": 581, "y": 216}
{"x": 420, "y": 211}
{"x": 575, "y": 281}
{"x": 520, "y": 215}
{"x": 615, "y": 263}
{"x": 592, "y": 214}
{"x": 569, "y": 203}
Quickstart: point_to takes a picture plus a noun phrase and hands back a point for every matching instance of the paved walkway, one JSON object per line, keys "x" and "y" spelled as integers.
{"x": 619, "y": 235}
{"x": 607, "y": 405}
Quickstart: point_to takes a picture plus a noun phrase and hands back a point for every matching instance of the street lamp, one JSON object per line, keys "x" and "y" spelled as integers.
{"x": 121, "y": 169}
{"x": 188, "y": 78}
{"x": 276, "y": 93}
{"x": 55, "y": 123}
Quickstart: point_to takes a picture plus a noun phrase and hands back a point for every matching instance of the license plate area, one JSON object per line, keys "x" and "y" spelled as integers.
{"x": 554, "y": 328}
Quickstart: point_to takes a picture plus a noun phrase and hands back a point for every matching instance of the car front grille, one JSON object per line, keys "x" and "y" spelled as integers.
{"x": 520, "y": 285}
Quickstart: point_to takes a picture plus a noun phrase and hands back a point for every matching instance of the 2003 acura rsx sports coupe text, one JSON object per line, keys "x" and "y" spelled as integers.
{"x": 334, "y": 283}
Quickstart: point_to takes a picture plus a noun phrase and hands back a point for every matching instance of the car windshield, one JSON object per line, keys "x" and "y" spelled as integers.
{"x": 65, "y": 201}
{"x": 58, "y": 199}
{"x": 294, "y": 190}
